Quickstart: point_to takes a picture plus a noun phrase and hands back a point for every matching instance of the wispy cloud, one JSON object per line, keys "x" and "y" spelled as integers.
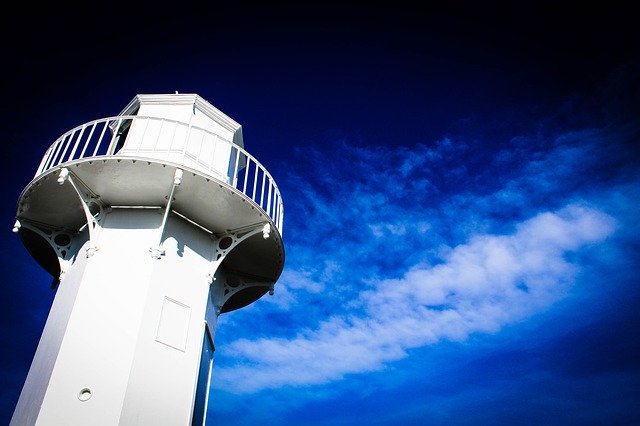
{"x": 480, "y": 286}
{"x": 300, "y": 281}
{"x": 390, "y": 250}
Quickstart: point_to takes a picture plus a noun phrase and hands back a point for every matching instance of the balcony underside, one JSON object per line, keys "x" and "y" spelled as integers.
{"x": 136, "y": 182}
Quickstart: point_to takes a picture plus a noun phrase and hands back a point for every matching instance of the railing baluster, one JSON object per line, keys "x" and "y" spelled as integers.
{"x": 75, "y": 145}
{"x": 48, "y": 154}
{"x": 99, "y": 141}
{"x": 66, "y": 146}
{"x": 113, "y": 138}
{"x": 277, "y": 215}
{"x": 264, "y": 176}
{"x": 274, "y": 205}
{"x": 44, "y": 160}
{"x": 234, "y": 178}
{"x": 255, "y": 182}
{"x": 269, "y": 198}
{"x": 86, "y": 144}
{"x": 54, "y": 149}
{"x": 246, "y": 174}
{"x": 55, "y": 154}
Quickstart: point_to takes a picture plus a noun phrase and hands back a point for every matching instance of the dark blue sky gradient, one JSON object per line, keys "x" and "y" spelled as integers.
{"x": 396, "y": 135}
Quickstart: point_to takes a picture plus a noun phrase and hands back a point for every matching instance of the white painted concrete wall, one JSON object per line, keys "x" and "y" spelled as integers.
{"x": 33, "y": 391}
{"x": 165, "y": 366}
{"x": 127, "y": 327}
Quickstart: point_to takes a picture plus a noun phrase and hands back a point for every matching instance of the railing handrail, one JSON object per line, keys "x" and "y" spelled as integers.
{"x": 75, "y": 145}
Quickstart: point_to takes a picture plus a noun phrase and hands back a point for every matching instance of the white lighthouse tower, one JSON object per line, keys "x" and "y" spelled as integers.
{"x": 152, "y": 223}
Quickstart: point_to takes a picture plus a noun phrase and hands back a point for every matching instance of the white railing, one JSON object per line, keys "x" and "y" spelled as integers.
{"x": 174, "y": 142}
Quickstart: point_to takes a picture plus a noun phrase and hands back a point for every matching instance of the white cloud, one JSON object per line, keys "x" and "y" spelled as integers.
{"x": 293, "y": 281}
{"x": 479, "y": 286}
{"x": 446, "y": 240}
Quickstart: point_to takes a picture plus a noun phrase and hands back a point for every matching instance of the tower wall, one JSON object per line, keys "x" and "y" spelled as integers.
{"x": 44, "y": 360}
{"x": 188, "y": 112}
{"x": 127, "y": 327}
{"x": 187, "y": 145}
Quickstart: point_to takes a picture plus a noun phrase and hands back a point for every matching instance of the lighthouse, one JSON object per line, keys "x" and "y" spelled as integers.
{"x": 152, "y": 223}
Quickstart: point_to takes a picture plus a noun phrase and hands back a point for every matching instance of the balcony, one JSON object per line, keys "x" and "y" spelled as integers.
{"x": 169, "y": 142}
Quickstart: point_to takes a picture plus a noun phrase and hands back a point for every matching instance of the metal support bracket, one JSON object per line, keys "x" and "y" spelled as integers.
{"x": 237, "y": 282}
{"x": 158, "y": 251}
{"x": 224, "y": 244}
{"x": 227, "y": 242}
{"x": 93, "y": 224}
{"x": 62, "y": 241}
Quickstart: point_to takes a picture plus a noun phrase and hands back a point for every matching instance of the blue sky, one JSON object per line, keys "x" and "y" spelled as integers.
{"x": 460, "y": 189}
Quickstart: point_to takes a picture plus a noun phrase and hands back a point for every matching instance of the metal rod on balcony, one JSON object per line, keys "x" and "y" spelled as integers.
{"x": 86, "y": 143}
{"x": 55, "y": 153}
{"x": 255, "y": 182}
{"x": 75, "y": 145}
{"x": 115, "y": 134}
{"x": 66, "y": 146}
{"x": 280, "y": 217}
{"x": 52, "y": 161}
{"x": 246, "y": 174}
{"x": 264, "y": 176}
{"x": 45, "y": 160}
{"x": 270, "y": 188}
{"x": 99, "y": 141}
{"x": 235, "y": 167}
